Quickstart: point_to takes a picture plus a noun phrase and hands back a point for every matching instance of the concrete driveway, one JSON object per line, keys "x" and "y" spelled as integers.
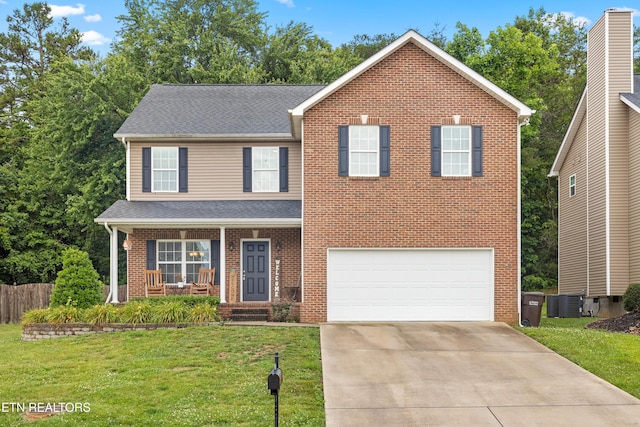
{"x": 459, "y": 374}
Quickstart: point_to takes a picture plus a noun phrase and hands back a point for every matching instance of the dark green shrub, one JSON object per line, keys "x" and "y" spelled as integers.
{"x": 281, "y": 310}
{"x": 631, "y": 297}
{"x": 78, "y": 283}
{"x": 534, "y": 283}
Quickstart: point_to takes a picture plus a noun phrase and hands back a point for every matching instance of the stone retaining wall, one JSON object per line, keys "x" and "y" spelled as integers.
{"x": 37, "y": 331}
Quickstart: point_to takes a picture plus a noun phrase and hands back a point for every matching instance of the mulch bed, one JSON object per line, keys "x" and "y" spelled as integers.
{"x": 627, "y": 323}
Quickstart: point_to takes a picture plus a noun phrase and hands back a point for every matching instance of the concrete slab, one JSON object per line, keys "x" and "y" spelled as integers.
{"x": 459, "y": 374}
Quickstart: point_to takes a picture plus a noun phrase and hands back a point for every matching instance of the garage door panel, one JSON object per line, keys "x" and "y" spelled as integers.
{"x": 409, "y": 285}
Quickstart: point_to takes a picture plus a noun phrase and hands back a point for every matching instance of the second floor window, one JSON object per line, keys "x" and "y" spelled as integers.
{"x": 364, "y": 144}
{"x": 164, "y": 161}
{"x": 572, "y": 185}
{"x": 456, "y": 150}
{"x": 265, "y": 169}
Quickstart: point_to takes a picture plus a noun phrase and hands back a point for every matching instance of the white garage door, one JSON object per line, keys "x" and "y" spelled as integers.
{"x": 409, "y": 285}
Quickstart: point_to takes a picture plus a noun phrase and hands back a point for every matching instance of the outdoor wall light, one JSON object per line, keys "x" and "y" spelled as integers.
{"x": 278, "y": 246}
{"x": 231, "y": 246}
{"x": 126, "y": 245}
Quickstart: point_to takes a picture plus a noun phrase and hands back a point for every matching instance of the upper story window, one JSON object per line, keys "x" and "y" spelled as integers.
{"x": 572, "y": 185}
{"x": 364, "y": 147}
{"x": 364, "y": 150}
{"x": 456, "y": 151}
{"x": 265, "y": 169}
{"x": 164, "y": 161}
{"x": 164, "y": 169}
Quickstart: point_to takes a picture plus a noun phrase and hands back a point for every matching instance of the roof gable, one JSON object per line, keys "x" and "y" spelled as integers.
{"x": 522, "y": 110}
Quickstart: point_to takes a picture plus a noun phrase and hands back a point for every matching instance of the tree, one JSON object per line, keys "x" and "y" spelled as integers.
{"x": 193, "y": 41}
{"x": 78, "y": 283}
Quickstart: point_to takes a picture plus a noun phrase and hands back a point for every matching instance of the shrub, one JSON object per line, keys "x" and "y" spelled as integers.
{"x": 64, "y": 314}
{"x": 203, "y": 313}
{"x": 534, "y": 283}
{"x": 78, "y": 283}
{"x": 100, "y": 314}
{"x": 189, "y": 300}
{"x": 39, "y": 315}
{"x": 631, "y": 297}
{"x": 169, "y": 312}
{"x": 280, "y": 311}
{"x": 135, "y": 312}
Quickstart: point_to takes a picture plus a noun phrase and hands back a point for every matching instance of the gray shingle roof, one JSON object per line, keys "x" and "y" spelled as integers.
{"x": 634, "y": 98}
{"x": 207, "y": 110}
{"x": 209, "y": 211}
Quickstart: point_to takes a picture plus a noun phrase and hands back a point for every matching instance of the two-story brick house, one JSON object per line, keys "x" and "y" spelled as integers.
{"x": 389, "y": 194}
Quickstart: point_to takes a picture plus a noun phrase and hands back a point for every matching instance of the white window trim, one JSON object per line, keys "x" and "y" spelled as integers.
{"x": 469, "y": 151}
{"x": 572, "y": 187}
{"x": 153, "y": 170}
{"x": 254, "y": 170}
{"x": 376, "y": 151}
{"x": 184, "y": 261}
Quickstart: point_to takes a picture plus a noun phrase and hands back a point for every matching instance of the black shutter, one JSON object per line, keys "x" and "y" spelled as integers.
{"x": 151, "y": 255}
{"x": 343, "y": 150}
{"x": 246, "y": 169}
{"x": 284, "y": 169}
{"x": 215, "y": 260}
{"x": 385, "y": 151}
{"x": 476, "y": 153}
{"x": 436, "y": 151}
{"x": 146, "y": 169}
{"x": 182, "y": 170}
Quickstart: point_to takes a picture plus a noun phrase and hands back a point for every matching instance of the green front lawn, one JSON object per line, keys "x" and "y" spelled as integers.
{"x": 613, "y": 357}
{"x": 199, "y": 376}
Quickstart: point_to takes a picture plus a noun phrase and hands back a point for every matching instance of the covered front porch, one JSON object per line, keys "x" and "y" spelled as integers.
{"x": 255, "y": 247}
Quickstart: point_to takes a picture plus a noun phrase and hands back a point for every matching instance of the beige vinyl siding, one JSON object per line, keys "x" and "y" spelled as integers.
{"x": 215, "y": 171}
{"x": 634, "y": 196}
{"x": 620, "y": 81}
{"x": 572, "y": 220}
{"x": 596, "y": 157}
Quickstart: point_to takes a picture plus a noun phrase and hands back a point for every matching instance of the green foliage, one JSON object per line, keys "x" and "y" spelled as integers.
{"x": 67, "y": 313}
{"x": 38, "y": 315}
{"x": 169, "y": 312}
{"x": 136, "y": 312}
{"x": 78, "y": 282}
{"x": 203, "y": 313}
{"x": 281, "y": 310}
{"x": 189, "y": 300}
{"x": 631, "y": 297}
{"x": 534, "y": 283}
{"x": 100, "y": 314}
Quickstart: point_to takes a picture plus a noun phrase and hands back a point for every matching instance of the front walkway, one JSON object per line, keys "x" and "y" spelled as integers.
{"x": 462, "y": 374}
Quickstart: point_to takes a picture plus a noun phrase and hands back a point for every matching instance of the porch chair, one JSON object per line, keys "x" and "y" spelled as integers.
{"x": 153, "y": 285}
{"x": 204, "y": 286}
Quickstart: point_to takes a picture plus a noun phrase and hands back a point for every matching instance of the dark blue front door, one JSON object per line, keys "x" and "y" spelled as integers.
{"x": 255, "y": 271}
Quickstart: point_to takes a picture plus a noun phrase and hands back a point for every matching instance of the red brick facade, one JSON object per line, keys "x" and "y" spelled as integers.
{"x": 410, "y": 91}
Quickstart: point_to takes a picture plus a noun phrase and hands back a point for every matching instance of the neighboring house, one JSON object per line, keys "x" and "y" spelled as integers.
{"x": 596, "y": 166}
{"x": 390, "y": 194}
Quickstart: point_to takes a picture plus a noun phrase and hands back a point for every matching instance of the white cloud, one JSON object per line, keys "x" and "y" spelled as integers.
{"x": 59, "y": 11}
{"x": 94, "y": 38}
{"x": 288, "y": 3}
{"x": 93, "y": 18}
{"x": 578, "y": 21}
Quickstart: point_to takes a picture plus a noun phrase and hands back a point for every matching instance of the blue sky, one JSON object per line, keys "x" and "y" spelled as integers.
{"x": 339, "y": 20}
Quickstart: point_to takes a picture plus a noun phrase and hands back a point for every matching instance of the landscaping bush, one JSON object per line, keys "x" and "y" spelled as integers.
{"x": 631, "y": 297}
{"x": 203, "y": 313}
{"x": 101, "y": 313}
{"x": 169, "y": 312}
{"x": 135, "y": 312}
{"x": 38, "y": 315}
{"x": 281, "y": 310}
{"x": 78, "y": 283}
{"x": 65, "y": 314}
{"x": 189, "y": 300}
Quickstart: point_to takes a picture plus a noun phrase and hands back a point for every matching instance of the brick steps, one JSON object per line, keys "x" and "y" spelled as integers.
{"x": 250, "y": 314}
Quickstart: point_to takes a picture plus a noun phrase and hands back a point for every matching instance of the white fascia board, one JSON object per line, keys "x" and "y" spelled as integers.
{"x": 578, "y": 115}
{"x": 633, "y": 106}
{"x": 199, "y": 222}
{"x": 522, "y": 110}
{"x": 214, "y": 137}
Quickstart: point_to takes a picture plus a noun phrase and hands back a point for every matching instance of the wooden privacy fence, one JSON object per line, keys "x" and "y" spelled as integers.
{"x": 15, "y": 300}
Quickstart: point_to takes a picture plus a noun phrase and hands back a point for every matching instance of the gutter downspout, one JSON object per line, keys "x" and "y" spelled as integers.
{"x": 113, "y": 264}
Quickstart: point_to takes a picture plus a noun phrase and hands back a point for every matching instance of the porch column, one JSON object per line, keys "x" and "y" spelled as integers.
{"x": 113, "y": 271}
{"x": 223, "y": 262}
